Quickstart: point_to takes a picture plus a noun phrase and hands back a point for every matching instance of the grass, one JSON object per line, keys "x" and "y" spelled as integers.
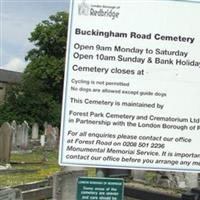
{"x": 44, "y": 170}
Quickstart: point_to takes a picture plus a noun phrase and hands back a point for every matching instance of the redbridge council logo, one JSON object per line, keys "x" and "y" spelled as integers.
{"x": 97, "y": 10}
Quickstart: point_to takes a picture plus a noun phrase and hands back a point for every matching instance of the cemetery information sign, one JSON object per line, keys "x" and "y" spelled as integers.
{"x": 100, "y": 188}
{"x": 132, "y": 85}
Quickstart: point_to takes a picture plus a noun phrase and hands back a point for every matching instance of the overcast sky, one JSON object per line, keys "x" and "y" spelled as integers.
{"x": 18, "y": 20}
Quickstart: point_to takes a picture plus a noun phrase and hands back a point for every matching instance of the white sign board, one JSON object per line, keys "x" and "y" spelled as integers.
{"x": 132, "y": 85}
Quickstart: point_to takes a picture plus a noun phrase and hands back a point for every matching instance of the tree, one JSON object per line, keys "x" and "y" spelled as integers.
{"x": 39, "y": 96}
{"x": 46, "y": 61}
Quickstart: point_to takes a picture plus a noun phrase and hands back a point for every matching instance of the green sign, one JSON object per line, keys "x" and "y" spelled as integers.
{"x": 100, "y": 189}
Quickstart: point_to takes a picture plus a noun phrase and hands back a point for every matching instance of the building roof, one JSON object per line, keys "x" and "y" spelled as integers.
{"x": 10, "y": 76}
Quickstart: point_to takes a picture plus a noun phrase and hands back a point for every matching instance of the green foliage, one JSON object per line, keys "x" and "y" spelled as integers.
{"x": 38, "y": 98}
{"x": 46, "y": 61}
{"x": 150, "y": 178}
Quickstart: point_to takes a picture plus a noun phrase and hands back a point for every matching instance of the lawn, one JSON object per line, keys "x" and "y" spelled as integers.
{"x": 43, "y": 169}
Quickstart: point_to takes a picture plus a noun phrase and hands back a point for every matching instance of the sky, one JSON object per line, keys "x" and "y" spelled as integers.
{"x": 18, "y": 18}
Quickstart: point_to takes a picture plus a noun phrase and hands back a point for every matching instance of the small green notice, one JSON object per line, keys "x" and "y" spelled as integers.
{"x": 100, "y": 189}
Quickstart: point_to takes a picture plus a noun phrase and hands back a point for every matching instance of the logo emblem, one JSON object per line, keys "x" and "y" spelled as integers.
{"x": 83, "y": 8}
